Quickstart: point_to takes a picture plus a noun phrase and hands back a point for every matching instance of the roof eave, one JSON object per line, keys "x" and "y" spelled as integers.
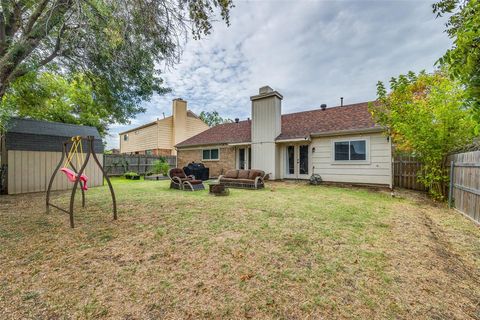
{"x": 300, "y": 139}
{"x": 200, "y": 145}
{"x": 347, "y": 132}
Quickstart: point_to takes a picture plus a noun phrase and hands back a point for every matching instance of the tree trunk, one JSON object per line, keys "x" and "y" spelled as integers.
{"x": 12, "y": 61}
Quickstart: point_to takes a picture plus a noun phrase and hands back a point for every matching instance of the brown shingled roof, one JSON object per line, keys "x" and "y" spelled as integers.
{"x": 222, "y": 134}
{"x": 294, "y": 125}
{"x": 303, "y": 124}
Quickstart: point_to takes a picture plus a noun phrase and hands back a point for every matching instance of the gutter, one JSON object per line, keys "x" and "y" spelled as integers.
{"x": 239, "y": 144}
{"x": 190, "y": 146}
{"x": 307, "y": 138}
{"x": 344, "y": 132}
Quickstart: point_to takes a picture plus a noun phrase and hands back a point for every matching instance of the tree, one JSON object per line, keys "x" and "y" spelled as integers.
{"x": 213, "y": 118}
{"x": 463, "y": 59}
{"x": 73, "y": 99}
{"x": 118, "y": 45}
{"x": 428, "y": 115}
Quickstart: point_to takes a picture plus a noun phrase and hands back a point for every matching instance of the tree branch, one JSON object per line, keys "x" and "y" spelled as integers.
{"x": 35, "y": 15}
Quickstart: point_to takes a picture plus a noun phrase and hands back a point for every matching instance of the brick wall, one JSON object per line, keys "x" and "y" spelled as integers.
{"x": 162, "y": 152}
{"x": 226, "y": 162}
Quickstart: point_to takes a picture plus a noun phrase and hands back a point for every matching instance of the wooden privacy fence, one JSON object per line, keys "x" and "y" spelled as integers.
{"x": 406, "y": 169}
{"x": 464, "y": 192}
{"x": 119, "y": 164}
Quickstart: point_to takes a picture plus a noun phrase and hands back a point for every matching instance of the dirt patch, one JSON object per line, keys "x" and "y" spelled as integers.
{"x": 430, "y": 274}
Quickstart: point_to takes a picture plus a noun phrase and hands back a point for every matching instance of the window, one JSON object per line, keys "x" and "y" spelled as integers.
{"x": 210, "y": 154}
{"x": 125, "y": 137}
{"x": 355, "y": 150}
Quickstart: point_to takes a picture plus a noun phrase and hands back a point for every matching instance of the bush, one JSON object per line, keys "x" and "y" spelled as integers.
{"x": 428, "y": 116}
{"x": 160, "y": 166}
{"x": 132, "y": 175}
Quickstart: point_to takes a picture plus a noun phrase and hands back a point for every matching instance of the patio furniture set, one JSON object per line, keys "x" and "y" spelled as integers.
{"x": 245, "y": 179}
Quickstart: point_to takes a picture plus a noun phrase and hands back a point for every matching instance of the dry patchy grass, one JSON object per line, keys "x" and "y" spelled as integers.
{"x": 290, "y": 251}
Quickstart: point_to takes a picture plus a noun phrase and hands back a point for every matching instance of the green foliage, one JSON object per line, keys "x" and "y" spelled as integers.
{"x": 463, "y": 60}
{"x": 120, "y": 46}
{"x": 5, "y": 115}
{"x": 160, "y": 167}
{"x": 131, "y": 174}
{"x": 52, "y": 97}
{"x": 213, "y": 118}
{"x": 427, "y": 115}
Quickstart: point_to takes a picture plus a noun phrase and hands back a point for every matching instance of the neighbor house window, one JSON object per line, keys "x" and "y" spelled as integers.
{"x": 355, "y": 150}
{"x": 210, "y": 154}
{"x": 125, "y": 137}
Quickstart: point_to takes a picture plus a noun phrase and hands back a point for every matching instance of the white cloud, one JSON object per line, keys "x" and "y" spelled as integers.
{"x": 312, "y": 52}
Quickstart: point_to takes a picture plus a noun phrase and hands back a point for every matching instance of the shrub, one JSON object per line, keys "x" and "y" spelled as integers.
{"x": 160, "y": 166}
{"x": 132, "y": 175}
{"x": 428, "y": 116}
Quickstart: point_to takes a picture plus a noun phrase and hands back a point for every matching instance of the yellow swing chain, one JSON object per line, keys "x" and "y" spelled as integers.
{"x": 76, "y": 142}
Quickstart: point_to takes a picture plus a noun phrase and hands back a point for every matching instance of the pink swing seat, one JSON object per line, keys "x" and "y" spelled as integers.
{"x": 71, "y": 175}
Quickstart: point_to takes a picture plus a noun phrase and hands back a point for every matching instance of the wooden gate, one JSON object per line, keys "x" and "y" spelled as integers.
{"x": 464, "y": 192}
{"x": 406, "y": 169}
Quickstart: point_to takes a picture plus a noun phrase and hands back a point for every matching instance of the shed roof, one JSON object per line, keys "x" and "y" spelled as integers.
{"x": 47, "y": 128}
{"x": 38, "y": 135}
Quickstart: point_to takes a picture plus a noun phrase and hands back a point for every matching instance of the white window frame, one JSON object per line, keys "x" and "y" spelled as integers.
{"x": 125, "y": 137}
{"x": 247, "y": 153}
{"x": 210, "y": 149}
{"x": 367, "y": 150}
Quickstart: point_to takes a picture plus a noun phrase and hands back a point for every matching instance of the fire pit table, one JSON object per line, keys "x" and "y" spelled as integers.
{"x": 218, "y": 189}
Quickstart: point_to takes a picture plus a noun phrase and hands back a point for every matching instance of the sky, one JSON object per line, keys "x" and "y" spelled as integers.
{"x": 312, "y": 52}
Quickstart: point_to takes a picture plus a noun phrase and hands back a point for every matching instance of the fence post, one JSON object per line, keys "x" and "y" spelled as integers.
{"x": 450, "y": 190}
{"x": 400, "y": 171}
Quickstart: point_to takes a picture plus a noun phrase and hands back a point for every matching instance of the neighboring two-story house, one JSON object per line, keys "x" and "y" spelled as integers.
{"x": 159, "y": 137}
{"x": 341, "y": 144}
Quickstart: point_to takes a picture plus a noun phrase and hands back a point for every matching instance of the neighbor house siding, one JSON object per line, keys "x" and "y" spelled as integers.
{"x": 217, "y": 167}
{"x": 165, "y": 133}
{"x": 195, "y": 126}
{"x": 377, "y": 170}
{"x": 30, "y": 171}
{"x": 140, "y": 140}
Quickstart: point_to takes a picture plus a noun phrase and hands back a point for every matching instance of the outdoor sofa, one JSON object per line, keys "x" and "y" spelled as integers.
{"x": 179, "y": 180}
{"x": 246, "y": 179}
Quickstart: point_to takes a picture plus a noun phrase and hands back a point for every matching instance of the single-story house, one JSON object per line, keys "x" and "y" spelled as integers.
{"x": 31, "y": 149}
{"x": 160, "y": 136}
{"x": 341, "y": 144}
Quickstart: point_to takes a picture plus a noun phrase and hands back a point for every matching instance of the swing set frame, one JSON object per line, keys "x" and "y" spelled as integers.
{"x": 66, "y": 153}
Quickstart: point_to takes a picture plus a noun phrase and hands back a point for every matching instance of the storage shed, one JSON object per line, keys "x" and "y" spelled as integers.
{"x": 31, "y": 149}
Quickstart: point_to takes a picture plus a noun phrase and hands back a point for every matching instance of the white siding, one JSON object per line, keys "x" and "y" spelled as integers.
{"x": 266, "y": 119}
{"x": 376, "y": 170}
{"x": 266, "y": 126}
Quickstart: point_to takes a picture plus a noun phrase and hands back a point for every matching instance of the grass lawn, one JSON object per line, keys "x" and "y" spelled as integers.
{"x": 291, "y": 251}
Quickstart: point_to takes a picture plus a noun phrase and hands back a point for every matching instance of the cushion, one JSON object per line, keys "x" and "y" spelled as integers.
{"x": 243, "y": 174}
{"x": 195, "y": 181}
{"x": 177, "y": 172}
{"x": 255, "y": 173}
{"x": 233, "y": 174}
{"x": 228, "y": 180}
